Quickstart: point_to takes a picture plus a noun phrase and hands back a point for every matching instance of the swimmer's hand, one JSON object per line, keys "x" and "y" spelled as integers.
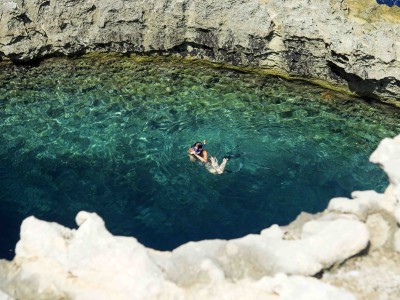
{"x": 204, "y": 142}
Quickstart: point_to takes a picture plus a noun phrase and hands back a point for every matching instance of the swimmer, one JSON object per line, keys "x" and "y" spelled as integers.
{"x": 197, "y": 151}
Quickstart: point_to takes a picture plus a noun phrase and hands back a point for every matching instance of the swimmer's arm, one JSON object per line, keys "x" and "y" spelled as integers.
{"x": 205, "y": 158}
{"x": 202, "y": 159}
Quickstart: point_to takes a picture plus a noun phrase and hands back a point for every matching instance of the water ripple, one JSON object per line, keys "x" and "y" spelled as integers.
{"x": 113, "y": 139}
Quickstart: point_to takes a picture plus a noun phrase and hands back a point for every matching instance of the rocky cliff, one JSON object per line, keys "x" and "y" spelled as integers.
{"x": 351, "y": 45}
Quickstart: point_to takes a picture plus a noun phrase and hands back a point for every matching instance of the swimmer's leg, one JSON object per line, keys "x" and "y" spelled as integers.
{"x": 213, "y": 166}
{"x": 221, "y": 168}
{"x": 214, "y": 162}
{"x": 210, "y": 168}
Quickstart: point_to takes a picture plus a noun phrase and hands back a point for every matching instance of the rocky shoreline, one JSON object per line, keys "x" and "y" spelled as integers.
{"x": 349, "y": 45}
{"x": 352, "y": 247}
{"x": 349, "y": 251}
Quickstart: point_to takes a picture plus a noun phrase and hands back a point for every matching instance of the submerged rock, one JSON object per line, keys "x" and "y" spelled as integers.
{"x": 349, "y": 45}
{"x": 55, "y": 262}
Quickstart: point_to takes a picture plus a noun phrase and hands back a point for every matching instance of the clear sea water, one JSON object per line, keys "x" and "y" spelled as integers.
{"x": 110, "y": 135}
{"x": 389, "y": 3}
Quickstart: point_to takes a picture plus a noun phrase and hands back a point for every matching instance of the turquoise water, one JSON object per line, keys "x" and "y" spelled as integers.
{"x": 111, "y": 135}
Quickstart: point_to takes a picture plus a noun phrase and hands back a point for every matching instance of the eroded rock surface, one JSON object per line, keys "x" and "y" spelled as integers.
{"x": 350, "y": 44}
{"x": 54, "y": 262}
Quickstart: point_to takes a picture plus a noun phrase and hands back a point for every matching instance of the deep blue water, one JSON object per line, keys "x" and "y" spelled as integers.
{"x": 110, "y": 135}
{"x": 389, "y": 2}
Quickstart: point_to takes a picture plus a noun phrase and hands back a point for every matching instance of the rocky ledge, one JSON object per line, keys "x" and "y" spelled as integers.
{"x": 349, "y": 251}
{"x": 349, "y": 45}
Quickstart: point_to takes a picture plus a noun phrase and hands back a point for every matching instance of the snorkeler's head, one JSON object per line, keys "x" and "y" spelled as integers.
{"x": 197, "y": 147}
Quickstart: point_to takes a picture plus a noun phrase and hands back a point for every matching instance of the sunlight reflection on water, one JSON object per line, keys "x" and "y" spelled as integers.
{"x": 111, "y": 136}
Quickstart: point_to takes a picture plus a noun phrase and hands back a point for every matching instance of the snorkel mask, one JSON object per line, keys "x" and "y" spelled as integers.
{"x": 198, "y": 147}
{"x": 197, "y": 150}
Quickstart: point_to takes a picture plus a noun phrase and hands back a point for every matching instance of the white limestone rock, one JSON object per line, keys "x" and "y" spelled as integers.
{"x": 303, "y": 288}
{"x": 362, "y": 204}
{"x": 366, "y": 205}
{"x": 4, "y": 296}
{"x": 323, "y": 243}
{"x": 54, "y": 262}
{"x": 281, "y": 287}
{"x": 387, "y": 155}
{"x": 381, "y": 230}
{"x": 7, "y": 6}
{"x": 396, "y": 241}
{"x": 370, "y": 277}
{"x": 88, "y": 263}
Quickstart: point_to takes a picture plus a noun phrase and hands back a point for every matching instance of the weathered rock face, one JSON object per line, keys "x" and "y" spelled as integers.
{"x": 349, "y": 44}
{"x": 54, "y": 262}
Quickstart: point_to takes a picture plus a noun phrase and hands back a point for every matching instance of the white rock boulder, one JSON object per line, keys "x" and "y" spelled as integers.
{"x": 54, "y": 262}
